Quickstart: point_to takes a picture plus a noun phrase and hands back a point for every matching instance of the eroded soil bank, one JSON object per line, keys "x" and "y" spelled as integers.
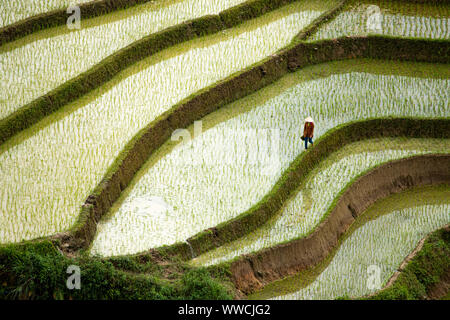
{"x": 251, "y": 272}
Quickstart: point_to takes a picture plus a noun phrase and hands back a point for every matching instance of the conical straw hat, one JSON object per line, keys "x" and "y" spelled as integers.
{"x": 309, "y": 119}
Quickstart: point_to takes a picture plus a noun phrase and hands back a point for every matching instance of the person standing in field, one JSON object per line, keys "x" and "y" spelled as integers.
{"x": 308, "y": 131}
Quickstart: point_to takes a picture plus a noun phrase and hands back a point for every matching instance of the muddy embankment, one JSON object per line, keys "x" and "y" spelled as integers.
{"x": 226, "y": 19}
{"x": 251, "y": 272}
{"x": 122, "y": 59}
{"x": 195, "y": 107}
{"x": 149, "y": 139}
{"x": 298, "y": 170}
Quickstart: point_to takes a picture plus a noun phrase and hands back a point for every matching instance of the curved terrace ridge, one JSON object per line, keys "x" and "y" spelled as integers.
{"x": 297, "y": 172}
{"x": 252, "y": 271}
{"x": 237, "y": 14}
{"x": 195, "y": 107}
{"x": 83, "y": 233}
{"x": 297, "y": 55}
{"x": 111, "y": 66}
{"x": 59, "y": 17}
{"x": 415, "y": 204}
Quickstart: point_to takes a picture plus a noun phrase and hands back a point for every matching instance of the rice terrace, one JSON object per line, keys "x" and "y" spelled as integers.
{"x": 225, "y": 150}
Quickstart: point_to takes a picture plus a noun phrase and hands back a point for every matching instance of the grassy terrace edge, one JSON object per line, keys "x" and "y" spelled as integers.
{"x": 108, "y": 68}
{"x": 299, "y": 169}
{"x": 92, "y": 9}
{"x": 250, "y": 272}
{"x": 421, "y": 273}
{"x": 298, "y": 55}
{"x": 97, "y": 8}
{"x": 37, "y": 269}
{"x": 59, "y": 17}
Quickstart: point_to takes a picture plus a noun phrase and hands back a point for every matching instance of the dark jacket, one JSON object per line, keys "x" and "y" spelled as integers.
{"x": 308, "y": 130}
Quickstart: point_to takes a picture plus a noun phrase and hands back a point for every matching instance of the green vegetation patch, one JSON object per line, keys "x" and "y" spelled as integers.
{"x": 37, "y": 270}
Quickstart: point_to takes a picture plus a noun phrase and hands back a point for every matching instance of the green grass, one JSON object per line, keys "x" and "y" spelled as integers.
{"x": 37, "y": 271}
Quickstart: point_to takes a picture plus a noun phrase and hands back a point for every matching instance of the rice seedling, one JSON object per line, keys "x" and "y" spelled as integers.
{"x": 388, "y": 20}
{"x": 57, "y": 59}
{"x": 304, "y": 211}
{"x": 64, "y": 160}
{"x": 14, "y": 11}
{"x": 382, "y": 243}
{"x": 216, "y": 176}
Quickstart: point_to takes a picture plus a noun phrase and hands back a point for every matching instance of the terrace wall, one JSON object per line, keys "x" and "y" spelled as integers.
{"x": 109, "y": 67}
{"x": 300, "y": 167}
{"x": 251, "y": 272}
{"x": 226, "y": 19}
{"x": 59, "y": 17}
{"x": 298, "y": 55}
{"x": 135, "y": 154}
